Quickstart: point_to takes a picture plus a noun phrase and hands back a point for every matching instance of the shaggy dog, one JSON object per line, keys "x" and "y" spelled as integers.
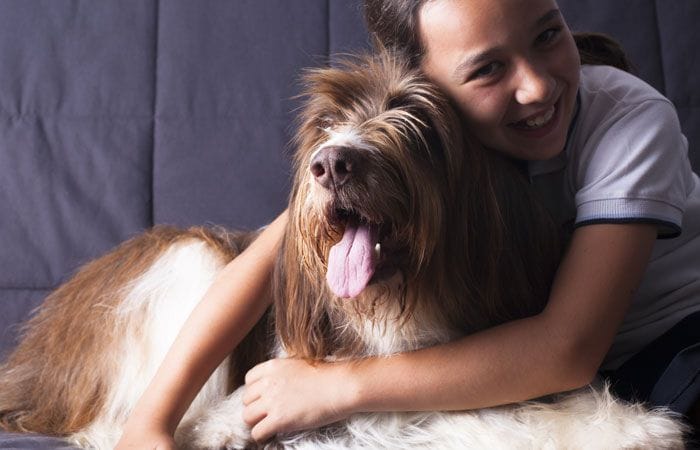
{"x": 402, "y": 234}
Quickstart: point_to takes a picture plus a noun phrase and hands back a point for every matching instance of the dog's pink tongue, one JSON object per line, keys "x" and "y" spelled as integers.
{"x": 351, "y": 261}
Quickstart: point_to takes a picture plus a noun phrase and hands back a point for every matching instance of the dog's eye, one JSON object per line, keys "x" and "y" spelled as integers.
{"x": 325, "y": 123}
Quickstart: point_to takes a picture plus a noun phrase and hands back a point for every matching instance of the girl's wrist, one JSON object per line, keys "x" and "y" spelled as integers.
{"x": 152, "y": 419}
{"x": 351, "y": 378}
{"x": 356, "y": 377}
{"x": 147, "y": 426}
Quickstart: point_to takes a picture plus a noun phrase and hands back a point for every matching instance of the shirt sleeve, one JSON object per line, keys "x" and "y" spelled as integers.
{"x": 635, "y": 168}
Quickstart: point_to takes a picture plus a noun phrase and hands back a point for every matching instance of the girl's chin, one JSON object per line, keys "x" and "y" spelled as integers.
{"x": 529, "y": 150}
{"x": 532, "y": 146}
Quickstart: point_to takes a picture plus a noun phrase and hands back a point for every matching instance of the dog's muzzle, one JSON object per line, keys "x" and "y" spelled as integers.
{"x": 334, "y": 166}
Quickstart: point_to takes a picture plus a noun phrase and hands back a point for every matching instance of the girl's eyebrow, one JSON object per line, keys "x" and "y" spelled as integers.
{"x": 547, "y": 17}
{"x": 480, "y": 57}
{"x": 474, "y": 60}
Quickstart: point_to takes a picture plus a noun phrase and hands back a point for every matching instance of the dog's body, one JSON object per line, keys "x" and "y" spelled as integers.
{"x": 399, "y": 237}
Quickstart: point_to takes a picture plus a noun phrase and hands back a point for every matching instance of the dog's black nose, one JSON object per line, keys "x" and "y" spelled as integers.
{"x": 334, "y": 166}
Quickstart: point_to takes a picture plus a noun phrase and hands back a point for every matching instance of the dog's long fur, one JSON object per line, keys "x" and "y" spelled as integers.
{"x": 464, "y": 246}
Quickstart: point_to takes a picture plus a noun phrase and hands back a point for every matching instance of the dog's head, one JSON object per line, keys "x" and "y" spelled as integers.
{"x": 377, "y": 174}
{"x": 379, "y": 153}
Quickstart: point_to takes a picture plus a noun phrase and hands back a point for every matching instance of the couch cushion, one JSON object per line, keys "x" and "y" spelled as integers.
{"x": 226, "y": 75}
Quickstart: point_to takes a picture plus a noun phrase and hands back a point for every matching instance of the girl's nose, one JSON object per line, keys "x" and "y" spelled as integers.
{"x": 533, "y": 84}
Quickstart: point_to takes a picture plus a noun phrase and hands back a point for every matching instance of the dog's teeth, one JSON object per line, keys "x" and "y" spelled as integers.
{"x": 378, "y": 250}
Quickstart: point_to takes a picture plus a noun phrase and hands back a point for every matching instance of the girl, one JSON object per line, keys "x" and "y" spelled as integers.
{"x": 608, "y": 156}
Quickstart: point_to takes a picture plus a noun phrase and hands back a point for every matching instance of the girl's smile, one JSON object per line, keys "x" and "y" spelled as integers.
{"x": 540, "y": 124}
{"x": 512, "y": 67}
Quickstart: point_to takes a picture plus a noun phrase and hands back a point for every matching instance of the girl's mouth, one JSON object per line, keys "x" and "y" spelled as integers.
{"x": 536, "y": 122}
{"x": 539, "y": 125}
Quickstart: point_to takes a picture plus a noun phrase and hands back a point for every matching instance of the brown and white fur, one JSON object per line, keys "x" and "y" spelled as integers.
{"x": 462, "y": 245}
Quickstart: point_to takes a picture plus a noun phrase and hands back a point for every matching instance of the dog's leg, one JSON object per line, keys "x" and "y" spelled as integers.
{"x": 589, "y": 418}
{"x": 220, "y": 426}
{"x": 593, "y": 418}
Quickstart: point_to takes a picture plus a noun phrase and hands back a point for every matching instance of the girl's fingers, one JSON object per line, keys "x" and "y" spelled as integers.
{"x": 263, "y": 430}
{"x": 251, "y": 393}
{"x": 253, "y": 413}
{"x": 257, "y": 372}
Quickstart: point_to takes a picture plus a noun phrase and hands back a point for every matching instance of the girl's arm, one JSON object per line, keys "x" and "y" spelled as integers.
{"x": 228, "y": 311}
{"x": 557, "y": 350}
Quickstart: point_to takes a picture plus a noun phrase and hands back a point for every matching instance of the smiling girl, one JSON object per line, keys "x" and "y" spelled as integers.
{"x": 607, "y": 155}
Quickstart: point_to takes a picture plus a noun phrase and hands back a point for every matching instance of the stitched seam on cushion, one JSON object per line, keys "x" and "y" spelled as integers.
{"x": 26, "y": 288}
{"x": 130, "y": 117}
{"x": 89, "y": 116}
{"x": 660, "y": 43}
{"x": 328, "y": 30}
{"x": 154, "y": 117}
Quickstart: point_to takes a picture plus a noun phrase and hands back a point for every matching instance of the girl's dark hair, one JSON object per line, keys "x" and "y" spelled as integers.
{"x": 601, "y": 50}
{"x": 393, "y": 24}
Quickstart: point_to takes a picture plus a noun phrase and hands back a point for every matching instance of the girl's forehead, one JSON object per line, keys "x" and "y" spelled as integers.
{"x": 462, "y": 27}
{"x": 478, "y": 20}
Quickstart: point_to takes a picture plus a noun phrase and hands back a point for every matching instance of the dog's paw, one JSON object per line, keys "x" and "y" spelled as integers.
{"x": 220, "y": 426}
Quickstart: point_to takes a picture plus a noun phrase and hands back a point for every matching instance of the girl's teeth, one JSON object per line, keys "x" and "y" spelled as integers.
{"x": 541, "y": 120}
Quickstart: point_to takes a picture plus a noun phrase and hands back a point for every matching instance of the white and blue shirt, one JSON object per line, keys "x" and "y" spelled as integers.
{"x": 626, "y": 161}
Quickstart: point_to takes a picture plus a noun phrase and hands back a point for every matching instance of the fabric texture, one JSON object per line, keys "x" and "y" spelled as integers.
{"x": 655, "y": 372}
{"x": 120, "y": 114}
{"x": 666, "y": 372}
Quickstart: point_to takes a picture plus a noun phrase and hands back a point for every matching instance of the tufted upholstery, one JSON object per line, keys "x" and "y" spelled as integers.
{"x": 120, "y": 114}
{"x": 661, "y": 38}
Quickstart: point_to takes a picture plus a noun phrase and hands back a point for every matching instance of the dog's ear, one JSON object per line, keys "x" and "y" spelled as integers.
{"x": 409, "y": 90}
{"x": 446, "y": 138}
{"x": 300, "y": 319}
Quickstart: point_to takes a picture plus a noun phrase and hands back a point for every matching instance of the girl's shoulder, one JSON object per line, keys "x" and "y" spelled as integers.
{"x": 606, "y": 88}
{"x": 616, "y": 105}
{"x": 624, "y": 144}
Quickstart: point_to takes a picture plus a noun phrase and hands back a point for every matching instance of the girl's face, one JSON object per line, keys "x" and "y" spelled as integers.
{"x": 511, "y": 66}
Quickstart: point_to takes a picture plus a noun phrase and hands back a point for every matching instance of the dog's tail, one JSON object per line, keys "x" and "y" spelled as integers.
{"x": 90, "y": 350}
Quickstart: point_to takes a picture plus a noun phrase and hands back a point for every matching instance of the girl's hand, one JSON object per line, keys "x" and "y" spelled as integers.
{"x": 284, "y": 395}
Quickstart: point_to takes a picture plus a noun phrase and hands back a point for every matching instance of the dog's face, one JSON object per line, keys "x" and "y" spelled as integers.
{"x": 377, "y": 166}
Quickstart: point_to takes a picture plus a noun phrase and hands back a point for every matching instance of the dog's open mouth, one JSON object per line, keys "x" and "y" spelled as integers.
{"x": 353, "y": 261}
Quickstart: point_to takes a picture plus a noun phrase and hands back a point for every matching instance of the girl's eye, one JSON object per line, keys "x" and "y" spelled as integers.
{"x": 487, "y": 70}
{"x": 547, "y": 36}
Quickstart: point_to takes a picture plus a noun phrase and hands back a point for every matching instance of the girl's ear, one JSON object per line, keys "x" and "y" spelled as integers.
{"x": 602, "y": 50}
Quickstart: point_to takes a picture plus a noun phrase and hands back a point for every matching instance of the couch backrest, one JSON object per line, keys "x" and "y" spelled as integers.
{"x": 120, "y": 114}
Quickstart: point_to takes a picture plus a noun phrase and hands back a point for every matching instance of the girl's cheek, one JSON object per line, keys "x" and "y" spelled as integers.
{"x": 567, "y": 60}
{"x": 484, "y": 108}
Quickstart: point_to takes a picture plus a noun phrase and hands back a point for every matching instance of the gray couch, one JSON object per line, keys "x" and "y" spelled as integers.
{"x": 116, "y": 115}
